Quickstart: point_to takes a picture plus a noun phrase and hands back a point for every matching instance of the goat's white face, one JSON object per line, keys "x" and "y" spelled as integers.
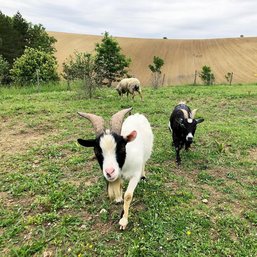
{"x": 111, "y": 169}
{"x": 110, "y": 151}
{"x": 113, "y": 148}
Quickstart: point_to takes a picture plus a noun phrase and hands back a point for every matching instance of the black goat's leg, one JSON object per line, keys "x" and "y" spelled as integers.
{"x": 187, "y": 146}
{"x": 178, "y": 159}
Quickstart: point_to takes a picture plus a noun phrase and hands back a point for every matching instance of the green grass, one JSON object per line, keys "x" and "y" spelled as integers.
{"x": 52, "y": 191}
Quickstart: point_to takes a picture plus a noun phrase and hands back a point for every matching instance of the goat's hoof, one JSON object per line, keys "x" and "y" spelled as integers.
{"x": 118, "y": 200}
{"x": 123, "y": 223}
{"x": 178, "y": 163}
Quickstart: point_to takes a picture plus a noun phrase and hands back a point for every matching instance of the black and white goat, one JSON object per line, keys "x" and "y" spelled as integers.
{"x": 182, "y": 125}
{"x": 121, "y": 152}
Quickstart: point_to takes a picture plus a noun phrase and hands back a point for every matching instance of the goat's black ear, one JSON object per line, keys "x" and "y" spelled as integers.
{"x": 87, "y": 143}
{"x": 199, "y": 120}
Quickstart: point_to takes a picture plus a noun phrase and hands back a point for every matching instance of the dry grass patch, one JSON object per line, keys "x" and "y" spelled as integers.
{"x": 17, "y": 137}
{"x": 253, "y": 154}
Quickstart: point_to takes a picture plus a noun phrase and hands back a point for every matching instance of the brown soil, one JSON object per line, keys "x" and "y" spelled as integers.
{"x": 17, "y": 138}
{"x": 181, "y": 57}
{"x": 253, "y": 154}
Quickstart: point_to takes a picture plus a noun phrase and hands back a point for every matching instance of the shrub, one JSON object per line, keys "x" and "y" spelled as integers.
{"x": 34, "y": 61}
{"x": 81, "y": 67}
{"x": 206, "y": 75}
{"x": 4, "y": 70}
{"x": 229, "y": 77}
{"x": 156, "y": 71}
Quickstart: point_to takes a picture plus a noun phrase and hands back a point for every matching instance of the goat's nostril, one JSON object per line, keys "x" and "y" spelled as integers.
{"x": 109, "y": 172}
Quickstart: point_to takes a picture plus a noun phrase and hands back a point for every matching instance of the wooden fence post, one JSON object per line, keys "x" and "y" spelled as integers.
{"x": 195, "y": 77}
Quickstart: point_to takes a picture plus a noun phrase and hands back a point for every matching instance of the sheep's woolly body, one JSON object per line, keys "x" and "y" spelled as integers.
{"x": 129, "y": 85}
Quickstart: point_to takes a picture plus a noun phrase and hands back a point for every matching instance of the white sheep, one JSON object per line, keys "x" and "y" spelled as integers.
{"x": 121, "y": 152}
{"x": 129, "y": 86}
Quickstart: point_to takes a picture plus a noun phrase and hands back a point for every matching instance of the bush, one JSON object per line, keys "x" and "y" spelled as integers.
{"x": 207, "y": 76}
{"x": 229, "y": 77}
{"x": 4, "y": 70}
{"x": 34, "y": 61}
{"x": 156, "y": 71}
{"x": 81, "y": 67}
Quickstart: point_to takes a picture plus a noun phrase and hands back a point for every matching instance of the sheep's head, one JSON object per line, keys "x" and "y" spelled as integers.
{"x": 109, "y": 145}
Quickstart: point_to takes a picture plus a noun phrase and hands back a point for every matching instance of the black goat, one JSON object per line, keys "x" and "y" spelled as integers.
{"x": 182, "y": 125}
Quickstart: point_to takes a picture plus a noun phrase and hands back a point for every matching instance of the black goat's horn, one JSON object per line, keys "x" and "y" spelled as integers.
{"x": 193, "y": 113}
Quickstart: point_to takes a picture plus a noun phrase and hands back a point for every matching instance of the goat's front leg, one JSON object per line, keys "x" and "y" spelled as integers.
{"x": 178, "y": 159}
{"x": 127, "y": 200}
{"x": 143, "y": 173}
{"x": 178, "y": 146}
{"x": 115, "y": 190}
{"x": 187, "y": 145}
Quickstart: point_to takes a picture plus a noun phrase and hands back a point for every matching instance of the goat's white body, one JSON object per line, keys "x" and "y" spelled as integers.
{"x": 122, "y": 155}
{"x": 139, "y": 150}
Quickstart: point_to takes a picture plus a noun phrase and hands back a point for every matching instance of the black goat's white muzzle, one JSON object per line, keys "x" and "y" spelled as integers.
{"x": 189, "y": 137}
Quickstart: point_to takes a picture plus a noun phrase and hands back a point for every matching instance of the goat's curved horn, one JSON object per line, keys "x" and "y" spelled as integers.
{"x": 193, "y": 113}
{"x": 185, "y": 113}
{"x": 117, "y": 120}
{"x": 97, "y": 121}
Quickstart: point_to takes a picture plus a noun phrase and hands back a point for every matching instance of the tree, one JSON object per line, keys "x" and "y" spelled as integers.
{"x": 81, "y": 67}
{"x": 206, "y": 75}
{"x": 16, "y": 33}
{"x": 26, "y": 67}
{"x": 4, "y": 68}
{"x": 229, "y": 77}
{"x": 110, "y": 63}
{"x": 156, "y": 70}
{"x": 21, "y": 26}
{"x": 11, "y": 45}
{"x": 38, "y": 38}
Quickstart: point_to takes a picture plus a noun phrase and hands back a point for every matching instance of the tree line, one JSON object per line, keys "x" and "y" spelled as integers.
{"x": 27, "y": 57}
{"x": 19, "y": 37}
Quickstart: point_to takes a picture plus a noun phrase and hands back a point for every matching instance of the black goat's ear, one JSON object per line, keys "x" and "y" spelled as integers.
{"x": 199, "y": 120}
{"x": 87, "y": 143}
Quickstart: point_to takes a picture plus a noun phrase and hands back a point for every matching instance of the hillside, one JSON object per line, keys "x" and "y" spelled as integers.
{"x": 182, "y": 57}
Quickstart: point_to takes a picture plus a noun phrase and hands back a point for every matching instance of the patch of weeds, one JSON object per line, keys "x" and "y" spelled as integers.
{"x": 205, "y": 177}
{"x": 231, "y": 175}
{"x": 28, "y": 250}
{"x": 42, "y": 218}
{"x": 251, "y": 216}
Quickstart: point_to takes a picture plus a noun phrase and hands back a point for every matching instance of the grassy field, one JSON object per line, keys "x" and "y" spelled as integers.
{"x": 52, "y": 191}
